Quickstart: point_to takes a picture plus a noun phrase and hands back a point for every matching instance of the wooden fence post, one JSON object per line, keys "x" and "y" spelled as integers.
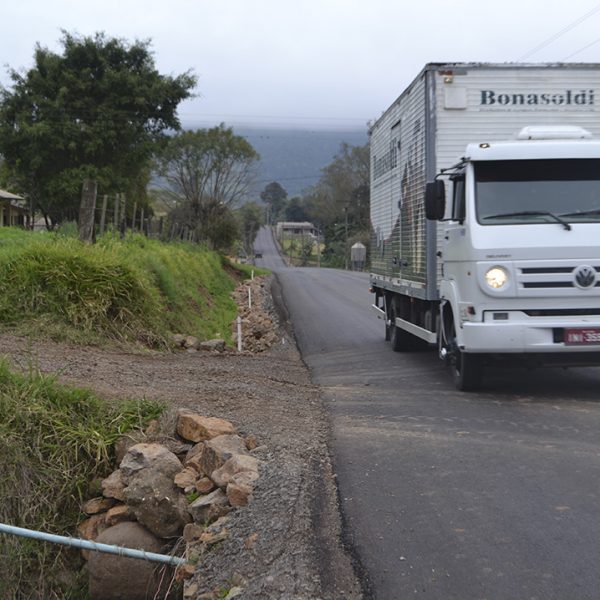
{"x": 123, "y": 215}
{"x": 87, "y": 211}
{"x": 116, "y": 213}
{"x": 103, "y": 214}
{"x": 134, "y": 216}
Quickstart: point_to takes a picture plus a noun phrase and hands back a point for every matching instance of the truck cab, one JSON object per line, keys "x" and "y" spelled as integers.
{"x": 520, "y": 254}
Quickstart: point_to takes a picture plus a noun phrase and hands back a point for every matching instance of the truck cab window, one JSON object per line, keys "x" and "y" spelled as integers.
{"x": 538, "y": 191}
{"x": 458, "y": 198}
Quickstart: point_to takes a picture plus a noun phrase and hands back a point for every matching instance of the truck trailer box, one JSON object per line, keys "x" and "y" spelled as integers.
{"x": 428, "y": 128}
{"x": 501, "y": 260}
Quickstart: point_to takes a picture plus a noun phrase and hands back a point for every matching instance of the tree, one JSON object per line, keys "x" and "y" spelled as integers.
{"x": 339, "y": 203}
{"x": 206, "y": 173}
{"x": 92, "y": 112}
{"x": 250, "y": 216}
{"x": 274, "y": 196}
{"x": 296, "y": 210}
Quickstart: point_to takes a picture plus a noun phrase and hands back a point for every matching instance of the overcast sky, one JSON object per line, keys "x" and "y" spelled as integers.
{"x": 308, "y": 63}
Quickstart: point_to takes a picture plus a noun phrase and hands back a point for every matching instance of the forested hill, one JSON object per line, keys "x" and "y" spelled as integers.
{"x": 295, "y": 157}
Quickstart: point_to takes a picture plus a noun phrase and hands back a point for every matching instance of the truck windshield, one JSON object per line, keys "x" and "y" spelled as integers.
{"x": 538, "y": 191}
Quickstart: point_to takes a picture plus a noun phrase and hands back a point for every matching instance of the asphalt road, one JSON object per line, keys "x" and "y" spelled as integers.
{"x": 450, "y": 495}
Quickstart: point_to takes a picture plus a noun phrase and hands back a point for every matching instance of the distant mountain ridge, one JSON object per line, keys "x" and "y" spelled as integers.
{"x": 295, "y": 157}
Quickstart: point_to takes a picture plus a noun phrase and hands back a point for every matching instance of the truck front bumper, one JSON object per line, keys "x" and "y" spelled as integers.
{"x": 518, "y": 333}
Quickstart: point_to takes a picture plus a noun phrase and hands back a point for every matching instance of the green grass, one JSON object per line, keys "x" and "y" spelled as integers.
{"x": 135, "y": 289}
{"x": 54, "y": 441}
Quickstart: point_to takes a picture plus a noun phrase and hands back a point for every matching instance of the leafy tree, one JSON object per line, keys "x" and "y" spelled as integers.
{"x": 339, "y": 203}
{"x": 296, "y": 210}
{"x": 92, "y": 112}
{"x": 274, "y": 196}
{"x": 206, "y": 173}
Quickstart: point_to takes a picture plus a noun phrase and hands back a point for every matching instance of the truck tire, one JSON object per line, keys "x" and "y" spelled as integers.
{"x": 467, "y": 369}
{"x": 401, "y": 340}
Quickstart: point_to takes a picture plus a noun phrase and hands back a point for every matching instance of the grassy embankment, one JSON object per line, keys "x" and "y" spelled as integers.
{"x": 133, "y": 290}
{"x": 55, "y": 440}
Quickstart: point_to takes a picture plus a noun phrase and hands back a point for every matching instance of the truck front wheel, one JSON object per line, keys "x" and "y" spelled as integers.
{"x": 467, "y": 369}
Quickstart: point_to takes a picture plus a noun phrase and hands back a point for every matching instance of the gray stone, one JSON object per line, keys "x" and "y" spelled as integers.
{"x": 157, "y": 503}
{"x": 178, "y": 339}
{"x": 213, "y": 345}
{"x": 114, "y": 577}
{"x": 209, "y": 507}
{"x": 191, "y": 342}
{"x": 125, "y": 442}
{"x": 150, "y": 456}
{"x": 218, "y": 450}
{"x": 232, "y": 466}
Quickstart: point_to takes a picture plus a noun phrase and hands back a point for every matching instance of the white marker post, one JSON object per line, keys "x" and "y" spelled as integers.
{"x": 239, "y": 333}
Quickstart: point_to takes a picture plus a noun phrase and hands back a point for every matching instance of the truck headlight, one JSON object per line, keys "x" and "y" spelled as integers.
{"x": 496, "y": 277}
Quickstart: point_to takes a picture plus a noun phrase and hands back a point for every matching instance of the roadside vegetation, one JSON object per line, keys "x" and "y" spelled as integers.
{"x": 63, "y": 146}
{"x": 302, "y": 251}
{"x": 338, "y": 206}
{"x": 132, "y": 290}
{"x": 54, "y": 441}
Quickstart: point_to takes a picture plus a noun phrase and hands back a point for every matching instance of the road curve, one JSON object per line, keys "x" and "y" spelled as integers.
{"x": 449, "y": 495}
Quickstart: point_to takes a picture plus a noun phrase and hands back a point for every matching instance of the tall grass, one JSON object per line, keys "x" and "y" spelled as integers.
{"x": 54, "y": 441}
{"x": 133, "y": 289}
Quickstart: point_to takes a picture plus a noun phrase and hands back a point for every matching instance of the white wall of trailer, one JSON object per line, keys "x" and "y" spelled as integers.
{"x": 468, "y": 103}
{"x": 397, "y": 180}
{"x": 486, "y": 104}
{"x": 542, "y": 95}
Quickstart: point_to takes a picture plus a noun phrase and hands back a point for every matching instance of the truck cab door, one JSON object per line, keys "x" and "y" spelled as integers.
{"x": 455, "y": 231}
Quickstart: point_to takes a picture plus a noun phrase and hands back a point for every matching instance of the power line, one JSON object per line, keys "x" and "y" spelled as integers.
{"x": 554, "y": 37}
{"x": 201, "y": 115}
{"x": 582, "y": 49}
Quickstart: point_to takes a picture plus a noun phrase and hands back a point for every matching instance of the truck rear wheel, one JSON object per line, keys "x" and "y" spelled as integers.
{"x": 401, "y": 340}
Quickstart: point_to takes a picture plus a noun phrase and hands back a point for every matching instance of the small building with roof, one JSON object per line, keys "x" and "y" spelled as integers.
{"x": 288, "y": 228}
{"x": 13, "y": 212}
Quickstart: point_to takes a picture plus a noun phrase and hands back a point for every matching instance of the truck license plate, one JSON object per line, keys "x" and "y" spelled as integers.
{"x": 582, "y": 337}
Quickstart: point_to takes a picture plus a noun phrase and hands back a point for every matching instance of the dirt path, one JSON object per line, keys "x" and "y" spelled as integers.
{"x": 286, "y": 543}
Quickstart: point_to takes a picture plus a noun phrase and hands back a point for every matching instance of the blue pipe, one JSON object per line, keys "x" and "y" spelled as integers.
{"x": 89, "y": 545}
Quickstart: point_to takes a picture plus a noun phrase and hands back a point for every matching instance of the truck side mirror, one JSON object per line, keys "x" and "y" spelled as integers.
{"x": 435, "y": 200}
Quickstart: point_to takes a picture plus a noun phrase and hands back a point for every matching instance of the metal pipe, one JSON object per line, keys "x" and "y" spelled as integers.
{"x": 89, "y": 545}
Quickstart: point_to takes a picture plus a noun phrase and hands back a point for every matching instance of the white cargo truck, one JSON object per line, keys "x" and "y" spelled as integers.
{"x": 485, "y": 215}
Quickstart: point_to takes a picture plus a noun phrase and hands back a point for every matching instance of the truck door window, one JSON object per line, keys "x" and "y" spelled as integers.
{"x": 458, "y": 198}
{"x": 537, "y": 191}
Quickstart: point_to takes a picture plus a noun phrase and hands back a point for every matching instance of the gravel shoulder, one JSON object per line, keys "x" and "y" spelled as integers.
{"x": 287, "y": 544}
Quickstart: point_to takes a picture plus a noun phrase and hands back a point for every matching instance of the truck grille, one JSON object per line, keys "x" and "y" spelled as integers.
{"x": 559, "y": 277}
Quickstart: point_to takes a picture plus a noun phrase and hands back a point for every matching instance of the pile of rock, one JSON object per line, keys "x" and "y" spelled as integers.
{"x": 259, "y": 332}
{"x": 158, "y": 494}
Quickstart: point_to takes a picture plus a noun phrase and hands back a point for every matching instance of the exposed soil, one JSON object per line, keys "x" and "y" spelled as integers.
{"x": 287, "y": 543}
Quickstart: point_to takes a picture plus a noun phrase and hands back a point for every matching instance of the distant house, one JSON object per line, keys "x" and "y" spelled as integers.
{"x": 292, "y": 228}
{"x": 12, "y": 210}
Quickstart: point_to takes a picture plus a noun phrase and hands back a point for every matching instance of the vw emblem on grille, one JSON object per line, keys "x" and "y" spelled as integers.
{"x": 585, "y": 277}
